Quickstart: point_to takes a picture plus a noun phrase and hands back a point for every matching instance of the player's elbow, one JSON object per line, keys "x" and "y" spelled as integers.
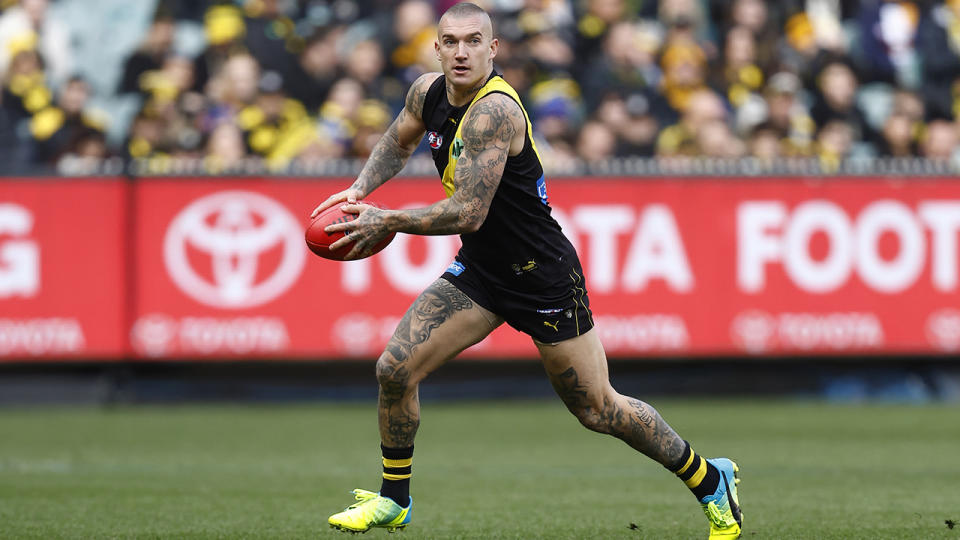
{"x": 471, "y": 226}
{"x": 471, "y": 218}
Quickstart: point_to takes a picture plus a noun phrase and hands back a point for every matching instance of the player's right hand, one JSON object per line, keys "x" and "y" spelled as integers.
{"x": 350, "y": 195}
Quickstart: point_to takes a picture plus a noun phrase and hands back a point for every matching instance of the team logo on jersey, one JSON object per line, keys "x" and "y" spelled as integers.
{"x": 434, "y": 139}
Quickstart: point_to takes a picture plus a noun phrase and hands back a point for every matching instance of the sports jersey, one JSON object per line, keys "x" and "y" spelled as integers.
{"x": 518, "y": 264}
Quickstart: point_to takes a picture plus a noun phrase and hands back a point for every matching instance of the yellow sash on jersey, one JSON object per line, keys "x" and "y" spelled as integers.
{"x": 495, "y": 84}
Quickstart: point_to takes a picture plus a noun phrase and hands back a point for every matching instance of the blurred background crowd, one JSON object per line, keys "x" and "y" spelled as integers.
{"x": 286, "y": 80}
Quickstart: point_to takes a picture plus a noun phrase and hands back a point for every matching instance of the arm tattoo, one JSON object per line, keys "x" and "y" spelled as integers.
{"x": 389, "y": 155}
{"x": 399, "y": 410}
{"x": 487, "y": 130}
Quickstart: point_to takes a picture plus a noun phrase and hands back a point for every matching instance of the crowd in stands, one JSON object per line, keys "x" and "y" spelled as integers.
{"x": 287, "y": 80}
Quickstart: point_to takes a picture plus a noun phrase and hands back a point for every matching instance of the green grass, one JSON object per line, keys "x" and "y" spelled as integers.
{"x": 482, "y": 470}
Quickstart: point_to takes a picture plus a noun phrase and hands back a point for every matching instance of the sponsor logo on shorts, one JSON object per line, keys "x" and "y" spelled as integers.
{"x": 549, "y": 311}
{"x": 434, "y": 139}
{"x": 528, "y": 266}
{"x": 456, "y": 268}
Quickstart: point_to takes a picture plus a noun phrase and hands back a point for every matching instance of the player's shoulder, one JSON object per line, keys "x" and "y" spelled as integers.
{"x": 500, "y": 106}
{"x": 417, "y": 95}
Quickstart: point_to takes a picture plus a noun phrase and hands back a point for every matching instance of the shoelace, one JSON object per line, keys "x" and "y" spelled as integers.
{"x": 714, "y": 514}
{"x": 363, "y": 496}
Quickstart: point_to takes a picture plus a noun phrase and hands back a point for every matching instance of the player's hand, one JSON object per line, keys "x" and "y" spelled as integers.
{"x": 366, "y": 231}
{"x": 350, "y": 195}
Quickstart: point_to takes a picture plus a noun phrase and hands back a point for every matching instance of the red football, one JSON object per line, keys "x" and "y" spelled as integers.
{"x": 319, "y": 241}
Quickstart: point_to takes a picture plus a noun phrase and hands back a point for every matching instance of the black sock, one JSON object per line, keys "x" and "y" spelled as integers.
{"x": 397, "y": 466}
{"x": 697, "y": 473}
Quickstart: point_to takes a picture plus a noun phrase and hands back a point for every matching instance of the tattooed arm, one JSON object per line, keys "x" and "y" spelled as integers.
{"x": 392, "y": 151}
{"x": 490, "y": 127}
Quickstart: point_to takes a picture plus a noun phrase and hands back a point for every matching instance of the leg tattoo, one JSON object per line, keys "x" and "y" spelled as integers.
{"x": 399, "y": 402}
{"x": 631, "y": 420}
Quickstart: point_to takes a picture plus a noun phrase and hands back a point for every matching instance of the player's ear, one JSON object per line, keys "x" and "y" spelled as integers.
{"x": 436, "y": 48}
{"x": 494, "y": 47}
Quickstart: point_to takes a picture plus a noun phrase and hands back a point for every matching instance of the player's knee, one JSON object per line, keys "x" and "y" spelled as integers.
{"x": 393, "y": 376}
{"x": 592, "y": 417}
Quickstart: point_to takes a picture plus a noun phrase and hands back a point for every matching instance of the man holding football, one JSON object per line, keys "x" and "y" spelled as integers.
{"x": 515, "y": 266}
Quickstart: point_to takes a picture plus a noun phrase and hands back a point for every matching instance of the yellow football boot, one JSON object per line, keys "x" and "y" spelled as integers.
{"x": 371, "y": 510}
{"x": 723, "y": 506}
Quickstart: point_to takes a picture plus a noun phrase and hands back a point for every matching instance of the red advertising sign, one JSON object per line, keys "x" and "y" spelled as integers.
{"x": 698, "y": 266}
{"x": 62, "y": 269}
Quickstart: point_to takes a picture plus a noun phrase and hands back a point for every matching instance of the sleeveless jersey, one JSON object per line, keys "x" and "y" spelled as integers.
{"x": 518, "y": 235}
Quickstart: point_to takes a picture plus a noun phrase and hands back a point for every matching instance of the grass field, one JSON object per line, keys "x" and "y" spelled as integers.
{"x": 482, "y": 470}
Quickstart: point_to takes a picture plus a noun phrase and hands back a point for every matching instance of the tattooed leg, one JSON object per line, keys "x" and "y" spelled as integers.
{"x": 441, "y": 322}
{"x": 578, "y": 372}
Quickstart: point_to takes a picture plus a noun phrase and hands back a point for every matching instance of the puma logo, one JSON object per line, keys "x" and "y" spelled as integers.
{"x": 552, "y": 325}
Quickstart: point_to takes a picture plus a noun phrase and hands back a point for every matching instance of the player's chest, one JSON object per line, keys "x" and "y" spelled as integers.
{"x": 443, "y": 133}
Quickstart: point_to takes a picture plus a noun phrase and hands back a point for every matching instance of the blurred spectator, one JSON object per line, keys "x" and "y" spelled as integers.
{"x": 60, "y": 128}
{"x": 149, "y": 56}
{"x": 834, "y": 143}
{"x": 628, "y": 64}
{"x": 410, "y": 44}
{"x": 594, "y": 24}
{"x": 684, "y": 71}
{"x": 836, "y": 99}
{"x": 270, "y": 36}
{"x": 224, "y": 148}
{"x": 316, "y": 69}
{"x": 886, "y": 51}
{"x": 764, "y": 143}
{"x": 938, "y": 46}
{"x": 596, "y": 141}
{"x": 940, "y": 141}
{"x": 899, "y": 137}
{"x": 755, "y": 16}
{"x": 29, "y": 22}
{"x": 224, "y": 30}
{"x": 631, "y": 121}
{"x": 787, "y": 115}
{"x": 714, "y": 139}
{"x": 274, "y": 126}
{"x": 738, "y": 75}
{"x": 703, "y": 106}
{"x": 25, "y": 90}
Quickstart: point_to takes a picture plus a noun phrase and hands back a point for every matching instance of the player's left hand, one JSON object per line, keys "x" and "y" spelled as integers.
{"x": 366, "y": 231}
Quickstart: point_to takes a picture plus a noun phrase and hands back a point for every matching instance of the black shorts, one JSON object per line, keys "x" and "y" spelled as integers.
{"x": 551, "y": 307}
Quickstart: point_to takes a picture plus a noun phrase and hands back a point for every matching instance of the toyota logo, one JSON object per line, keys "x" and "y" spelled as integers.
{"x": 215, "y": 249}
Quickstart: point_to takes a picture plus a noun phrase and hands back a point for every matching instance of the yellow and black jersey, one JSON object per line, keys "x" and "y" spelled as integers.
{"x": 519, "y": 234}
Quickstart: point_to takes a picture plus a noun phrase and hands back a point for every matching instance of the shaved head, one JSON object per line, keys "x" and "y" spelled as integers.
{"x": 467, "y": 9}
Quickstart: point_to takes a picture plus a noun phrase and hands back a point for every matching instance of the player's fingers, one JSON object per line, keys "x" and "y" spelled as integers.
{"x": 338, "y": 227}
{"x": 331, "y": 200}
{"x": 343, "y": 242}
{"x": 357, "y": 252}
{"x": 353, "y": 208}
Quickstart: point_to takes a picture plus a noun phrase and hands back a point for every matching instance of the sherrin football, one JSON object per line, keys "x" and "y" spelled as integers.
{"x": 319, "y": 241}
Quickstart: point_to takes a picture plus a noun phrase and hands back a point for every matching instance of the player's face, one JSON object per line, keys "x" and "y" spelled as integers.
{"x": 466, "y": 48}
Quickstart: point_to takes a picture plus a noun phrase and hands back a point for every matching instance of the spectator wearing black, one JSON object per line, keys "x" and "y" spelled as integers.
{"x": 316, "y": 69}
{"x": 938, "y": 46}
{"x": 57, "y": 128}
{"x": 224, "y": 30}
{"x": 836, "y": 93}
{"x": 150, "y": 56}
